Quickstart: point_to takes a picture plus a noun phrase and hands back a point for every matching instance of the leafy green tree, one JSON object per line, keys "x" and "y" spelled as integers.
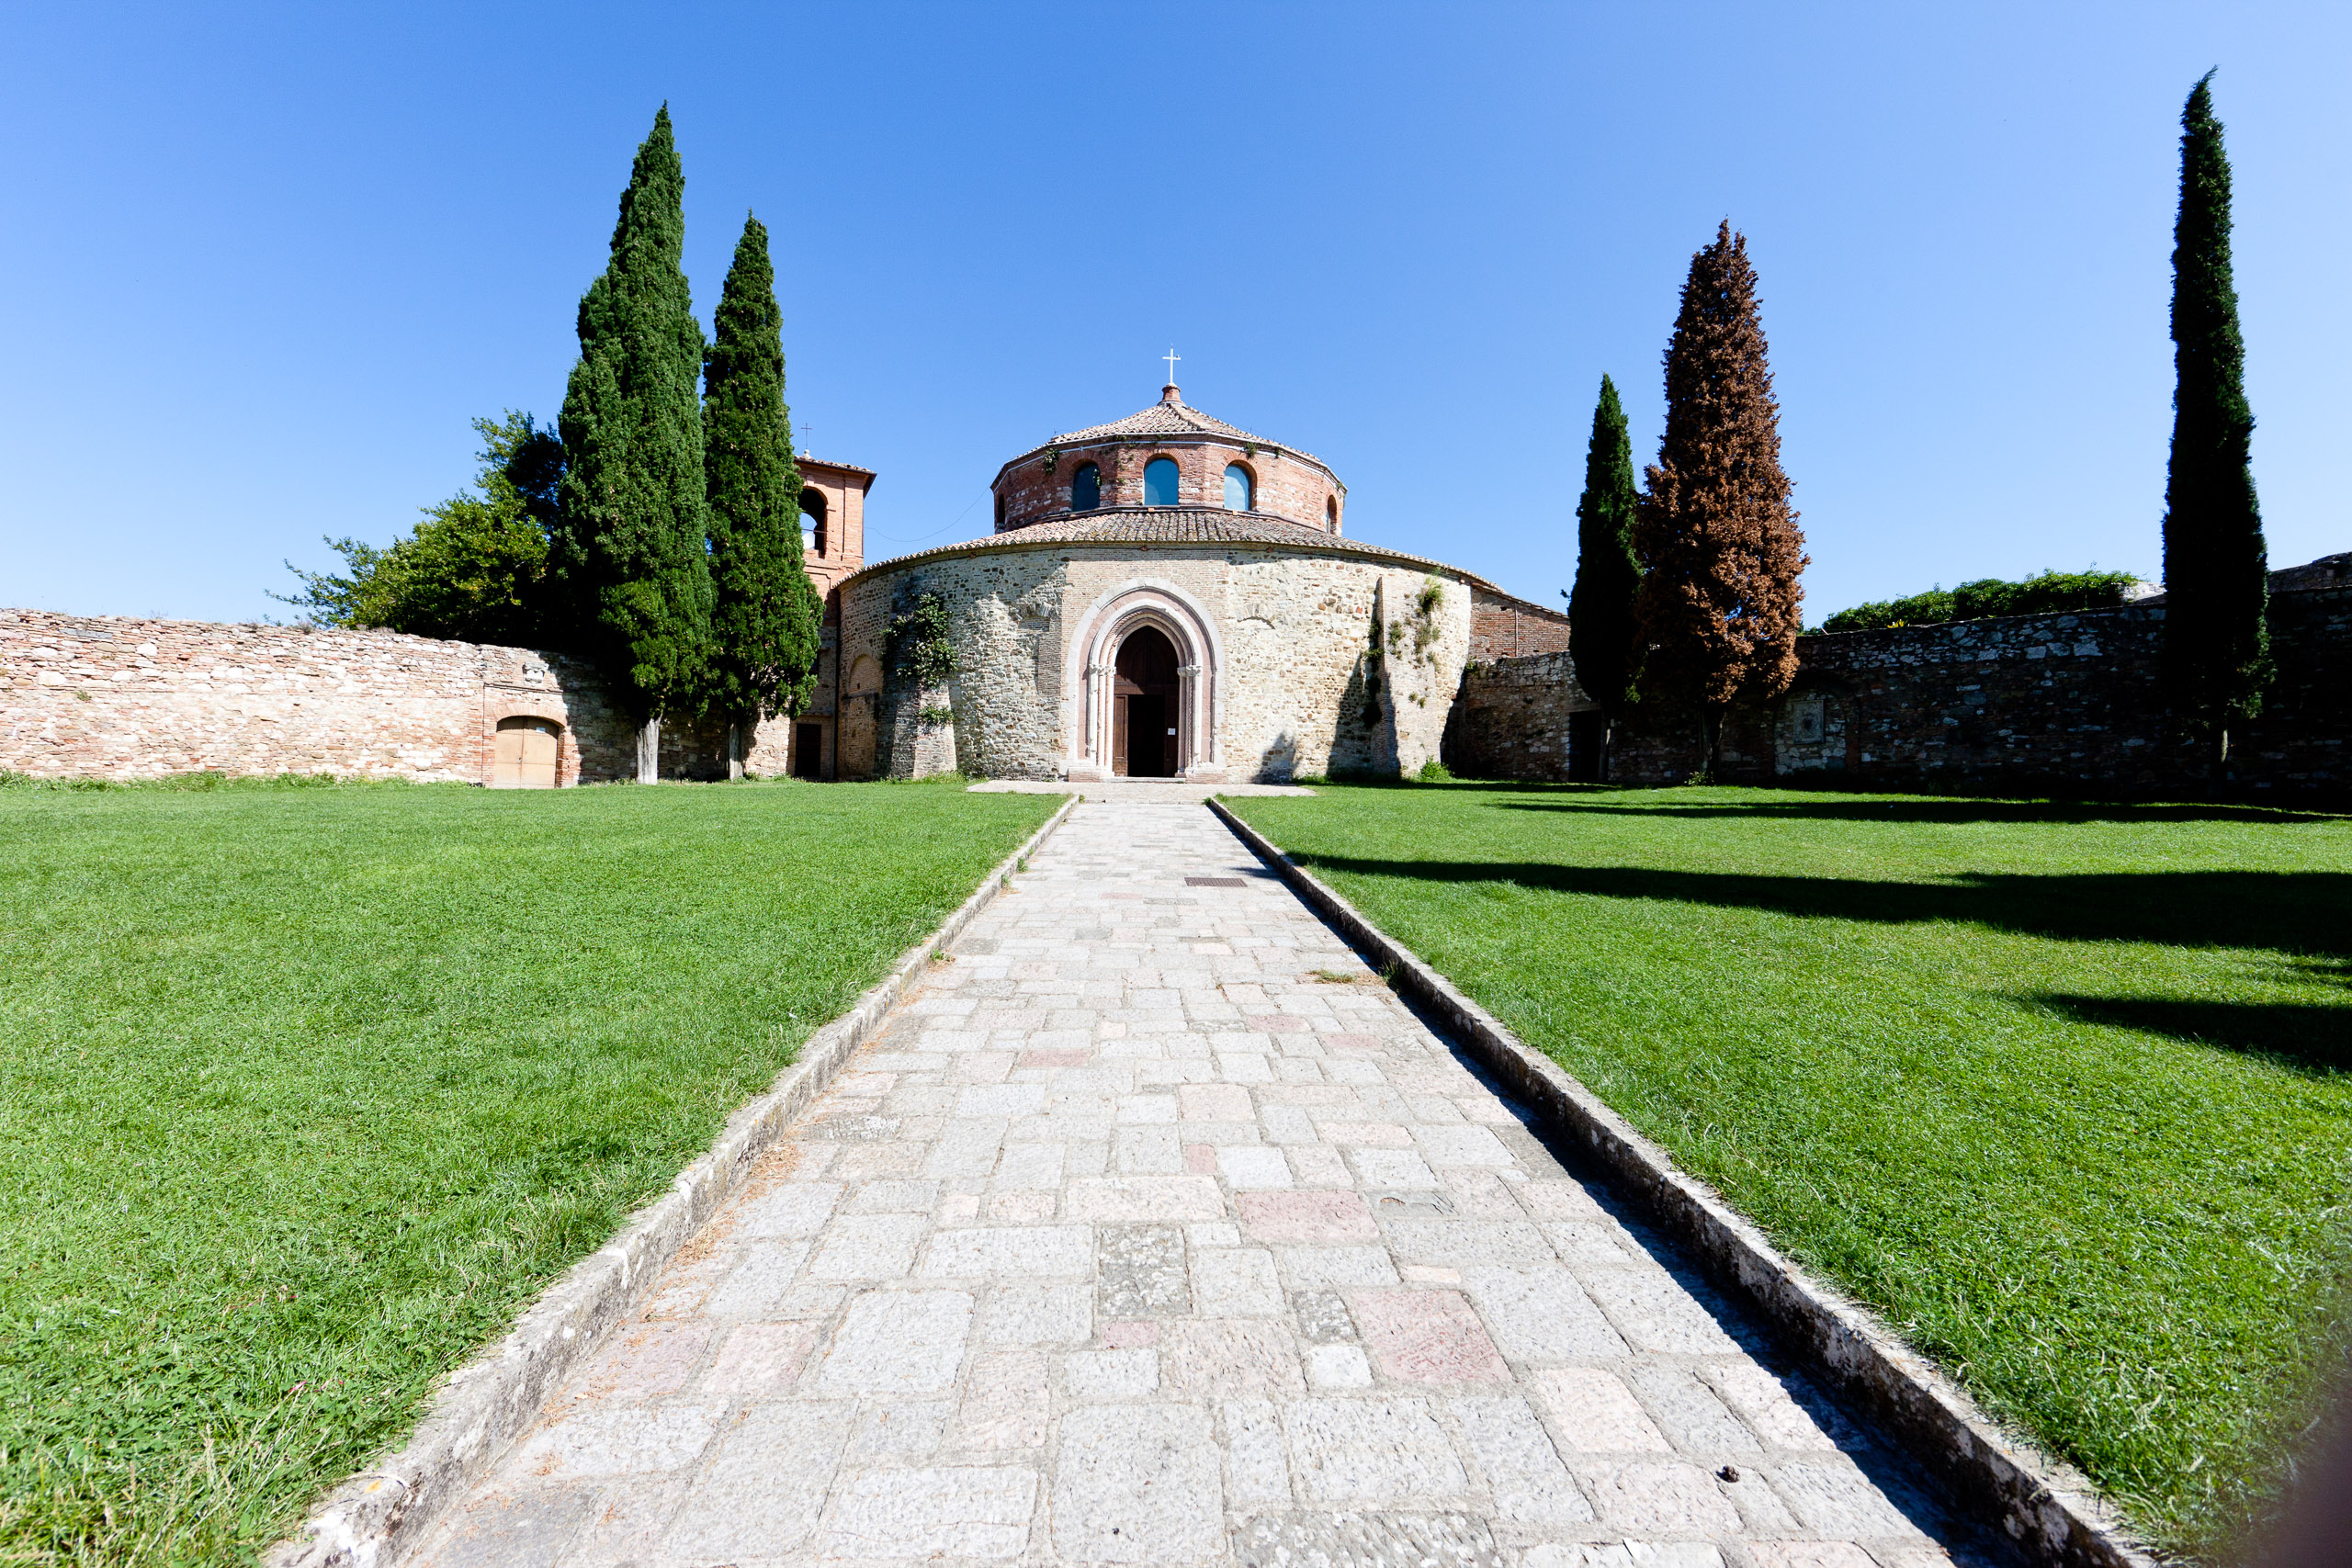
{"x": 765, "y": 613}
{"x": 2217, "y": 645}
{"x": 473, "y": 571}
{"x": 628, "y": 552}
{"x": 1721, "y": 552}
{"x": 1600, "y": 607}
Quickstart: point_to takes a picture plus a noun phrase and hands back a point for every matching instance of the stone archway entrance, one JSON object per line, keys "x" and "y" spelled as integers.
{"x": 1133, "y": 689}
{"x": 1144, "y": 706}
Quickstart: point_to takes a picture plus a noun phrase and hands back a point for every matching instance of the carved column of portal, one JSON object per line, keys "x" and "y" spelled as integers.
{"x": 1188, "y": 706}
{"x": 1097, "y": 717}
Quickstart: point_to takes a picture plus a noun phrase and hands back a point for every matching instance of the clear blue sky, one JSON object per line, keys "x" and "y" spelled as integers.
{"x": 262, "y": 266}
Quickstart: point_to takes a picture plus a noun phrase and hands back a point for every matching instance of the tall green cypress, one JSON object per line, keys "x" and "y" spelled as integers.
{"x": 764, "y": 617}
{"x": 630, "y": 551}
{"x": 2216, "y": 644}
{"x": 1600, "y": 607}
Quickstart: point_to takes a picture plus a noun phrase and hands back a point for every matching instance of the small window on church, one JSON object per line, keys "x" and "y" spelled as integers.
{"x": 1237, "y": 488}
{"x": 1086, "y": 488}
{"x": 812, "y": 521}
{"x": 1331, "y": 513}
{"x": 1159, "y": 482}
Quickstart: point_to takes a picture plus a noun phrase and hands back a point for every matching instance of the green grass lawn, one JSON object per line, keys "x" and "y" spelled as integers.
{"x": 2060, "y": 1090}
{"x": 305, "y": 1091}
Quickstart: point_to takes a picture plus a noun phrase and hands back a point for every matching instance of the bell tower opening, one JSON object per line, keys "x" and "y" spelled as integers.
{"x": 1144, "y": 712}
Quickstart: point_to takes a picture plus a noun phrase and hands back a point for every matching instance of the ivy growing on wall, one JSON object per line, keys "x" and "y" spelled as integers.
{"x": 919, "y": 647}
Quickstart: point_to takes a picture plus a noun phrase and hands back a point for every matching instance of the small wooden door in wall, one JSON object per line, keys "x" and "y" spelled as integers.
{"x": 525, "y": 757}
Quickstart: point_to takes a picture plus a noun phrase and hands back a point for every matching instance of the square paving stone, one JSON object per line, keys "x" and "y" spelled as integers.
{"x": 615, "y": 1439}
{"x": 868, "y": 1246}
{"x": 975, "y": 1511}
{"x": 1369, "y": 1452}
{"x": 1426, "y": 1337}
{"x": 1141, "y": 1271}
{"x": 766, "y": 1488}
{"x": 1143, "y": 1198}
{"x": 1227, "y": 1360}
{"x": 1664, "y": 1499}
{"x": 1019, "y": 1252}
{"x": 1524, "y": 1471}
{"x": 898, "y": 1343}
{"x": 517, "y": 1529}
{"x": 1538, "y": 1312}
{"x": 1236, "y": 1281}
{"x": 1596, "y": 1413}
{"x": 1367, "y": 1540}
{"x": 1305, "y": 1216}
{"x": 1137, "y": 1484}
{"x": 1654, "y": 1313}
{"x": 757, "y": 1360}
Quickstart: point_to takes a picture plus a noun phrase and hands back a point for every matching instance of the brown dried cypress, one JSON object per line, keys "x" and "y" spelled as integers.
{"x": 1721, "y": 552}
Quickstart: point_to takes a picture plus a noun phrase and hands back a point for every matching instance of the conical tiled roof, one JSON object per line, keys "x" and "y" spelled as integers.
{"x": 1171, "y": 416}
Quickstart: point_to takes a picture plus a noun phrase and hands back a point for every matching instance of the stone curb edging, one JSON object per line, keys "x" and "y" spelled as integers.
{"x": 2052, "y": 1516}
{"x": 371, "y": 1519}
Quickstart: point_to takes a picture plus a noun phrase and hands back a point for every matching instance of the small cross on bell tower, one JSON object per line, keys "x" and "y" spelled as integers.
{"x": 1167, "y": 392}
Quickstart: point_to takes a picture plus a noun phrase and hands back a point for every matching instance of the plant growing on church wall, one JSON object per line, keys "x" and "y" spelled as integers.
{"x": 628, "y": 553}
{"x": 920, "y": 645}
{"x": 1718, "y": 543}
{"x": 2216, "y": 656}
{"x": 765, "y": 612}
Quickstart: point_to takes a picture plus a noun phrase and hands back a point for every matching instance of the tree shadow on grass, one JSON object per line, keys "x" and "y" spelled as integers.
{"x": 2307, "y": 912}
{"x": 2298, "y": 1034}
{"x": 1799, "y": 807}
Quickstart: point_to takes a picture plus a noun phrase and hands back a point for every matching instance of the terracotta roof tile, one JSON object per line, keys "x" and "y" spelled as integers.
{"x": 1174, "y": 525}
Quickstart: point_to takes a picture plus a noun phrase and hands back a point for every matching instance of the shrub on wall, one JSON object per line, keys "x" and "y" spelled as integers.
{"x": 2051, "y": 594}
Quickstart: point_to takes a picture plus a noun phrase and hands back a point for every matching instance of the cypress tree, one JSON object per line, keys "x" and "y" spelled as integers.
{"x": 1718, "y": 543}
{"x": 633, "y": 525}
{"x": 1600, "y": 607}
{"x": 764, "y": 616}
{"x": 2216, "y": 644}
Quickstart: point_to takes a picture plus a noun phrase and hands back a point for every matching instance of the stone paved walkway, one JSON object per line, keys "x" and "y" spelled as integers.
{"x": 1155, "y": 1230}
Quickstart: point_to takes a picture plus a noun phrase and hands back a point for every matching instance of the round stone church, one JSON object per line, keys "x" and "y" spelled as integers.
{"x": 1164, "y": 596}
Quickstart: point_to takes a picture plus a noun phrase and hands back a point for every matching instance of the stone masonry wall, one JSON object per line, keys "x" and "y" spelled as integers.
{"x": 1514, "y": 717}
{"x": 2067, "y": 702}
{"x": 119, "y": 698}
{"x": 1309, "y": 682}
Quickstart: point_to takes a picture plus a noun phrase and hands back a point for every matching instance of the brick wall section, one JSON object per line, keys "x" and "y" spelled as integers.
{"x": 1288, "y": 484}
{"x": 1505, "y": 627}
{"x": 119, "y": 698}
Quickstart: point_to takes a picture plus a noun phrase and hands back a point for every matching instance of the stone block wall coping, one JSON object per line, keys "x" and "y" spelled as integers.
{"x": 372, "y": 1519}
{"x": 2052, "y": 1516}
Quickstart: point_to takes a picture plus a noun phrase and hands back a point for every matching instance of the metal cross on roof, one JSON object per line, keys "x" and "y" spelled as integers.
{"x": 1171, "y": 357}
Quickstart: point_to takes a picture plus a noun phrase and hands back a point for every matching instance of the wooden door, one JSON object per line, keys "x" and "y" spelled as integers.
{"x": 538, "y": 756}
{"x": 1119, "y": 734}
{"x": 524, "y": 754}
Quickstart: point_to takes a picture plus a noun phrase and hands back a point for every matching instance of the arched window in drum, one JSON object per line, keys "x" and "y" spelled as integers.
{"x": 1086, "y": 488}
{"x": 1159, "y": 482}
{"x": 1237, "y": 489}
